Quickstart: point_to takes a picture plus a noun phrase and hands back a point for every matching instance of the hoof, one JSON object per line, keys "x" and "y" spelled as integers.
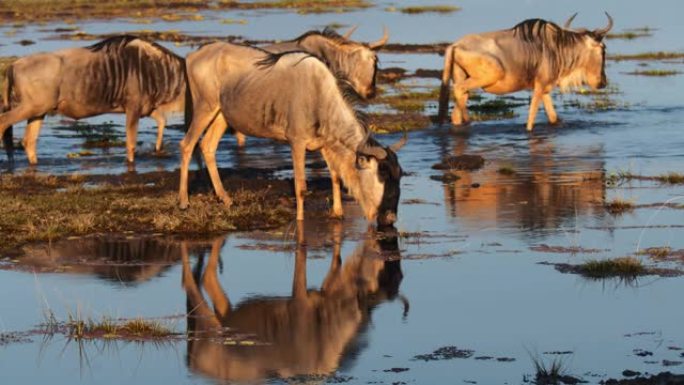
{"x": 183, "y": 206}
{"x": 227, "y": 202}
{"x": 336, "y": 216}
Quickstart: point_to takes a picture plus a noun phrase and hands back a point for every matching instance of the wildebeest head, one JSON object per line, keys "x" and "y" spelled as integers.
{"x": 592, "y": 60}
{"x": 358, "y": 62}
{"x": 380, "y": 174}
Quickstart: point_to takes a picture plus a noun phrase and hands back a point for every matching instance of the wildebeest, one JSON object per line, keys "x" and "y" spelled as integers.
{"x": 311, "y": 332}
{"x": 120, "y": 74}
{"x": 535, "y": 54}
{"x": 352, "y": 62}
{"x": 291, "y": 97}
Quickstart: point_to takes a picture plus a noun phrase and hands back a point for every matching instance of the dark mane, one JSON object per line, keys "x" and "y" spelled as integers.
{"x": 272, "y": 59}
{"x": 328, "y": 33}
{"x": 547, "y": 43}
{"x": 159, "y": 78}
{"x": 120, "y": 41}
{"x": 348, "y": 92}
{"x": 536, "y": 30}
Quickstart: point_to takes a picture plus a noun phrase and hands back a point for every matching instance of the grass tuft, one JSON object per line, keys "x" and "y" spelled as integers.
{"x": 619, "y": 205}
{"x": 625, "y": 267}
{"x": 671, "y": 177}
{"x": 660, "y": 55}
{"x": 506, "y": 170}
{"x": 413, "y": 10}
{"x": 656, "y": 252}
{"x": 654, "y": 73}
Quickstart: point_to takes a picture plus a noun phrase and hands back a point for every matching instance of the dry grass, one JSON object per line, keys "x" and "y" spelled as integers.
{"x": 45, "y": 208}
{"x": 168, "y": 10}
{"x": 32, "y": 10}
{"x": 654, "y": 73}
{"x": 671, "y": 177}
{"x": 506, "y": 170}
{"x": 656, "y": 252}
{"x": 413, "y": 10}
{"x": 660, "y": 55}
{"x": 301, "y": 6}
{"x": 619, "y": 205}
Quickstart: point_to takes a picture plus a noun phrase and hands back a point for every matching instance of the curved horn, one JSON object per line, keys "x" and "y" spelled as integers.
{"x": 401, "y": 143}
{"x": 569, "y": 21}
{"x": 604, "y": 31}
{"x": 350, "y": 32}
{"x": 374, "y": 151}
{"x": 378, "y": 44}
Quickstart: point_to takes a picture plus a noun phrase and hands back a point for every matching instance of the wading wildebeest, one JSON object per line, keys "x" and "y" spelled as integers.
{"x": 311, "y": 332}
{"x": 119, "y": 74}
{"x": 353, "y": 62}
{"x": 291, "y": 97}
{"x": 536, "y": 54}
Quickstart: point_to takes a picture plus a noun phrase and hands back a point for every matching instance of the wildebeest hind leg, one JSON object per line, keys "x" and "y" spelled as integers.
{"x": 240, "y": 138}
{"x": 480, "y": 71}
{"x": 161, "y": 124}
{"x": 209, "y": 145}
{"x": 459, "y": 115}
{"x": 211, "y": 283}
{"x": 31, "y": 138}
{"x": 548, "y": 107}
{"x": 200, "y": 121}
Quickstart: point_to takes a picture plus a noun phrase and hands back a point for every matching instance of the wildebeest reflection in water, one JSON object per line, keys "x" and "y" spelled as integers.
{"x": 113, "y": 258}
{"x": 311, "y": 332}
{"x": 548, "y": 191}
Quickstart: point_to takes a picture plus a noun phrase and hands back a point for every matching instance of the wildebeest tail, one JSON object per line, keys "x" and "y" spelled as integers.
{"x": 7, "y": 136}
{"x": 446, "y": 80}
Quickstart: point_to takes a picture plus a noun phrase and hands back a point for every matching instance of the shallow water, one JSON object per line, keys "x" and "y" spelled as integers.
{"x": 468, "y": 256}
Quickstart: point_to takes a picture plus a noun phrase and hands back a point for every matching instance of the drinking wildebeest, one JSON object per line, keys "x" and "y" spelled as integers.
{"x": 291, "y": 97}
{"x": 535, "y": 54}
{"x": 310, "y": 332}
{"x": 352, "y": 62}
{"x": 120, "y": 74}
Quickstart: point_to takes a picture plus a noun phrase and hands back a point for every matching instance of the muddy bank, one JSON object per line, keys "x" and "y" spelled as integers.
{"x": 46, "y": 208}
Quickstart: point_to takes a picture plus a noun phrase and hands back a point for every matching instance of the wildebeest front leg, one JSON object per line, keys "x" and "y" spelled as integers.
{"x": 534, "y": 107}
{"x": 132, "y": 119}
{"x": 31, "y": 138}
{"x": 209, "y": 145}
{"x": 548, "y": 107}
{"x": 161, "y": 124}
{"x": 298, "y": 160}
{"x": 299, "y": 287}
{"x": 337, "y": 211}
